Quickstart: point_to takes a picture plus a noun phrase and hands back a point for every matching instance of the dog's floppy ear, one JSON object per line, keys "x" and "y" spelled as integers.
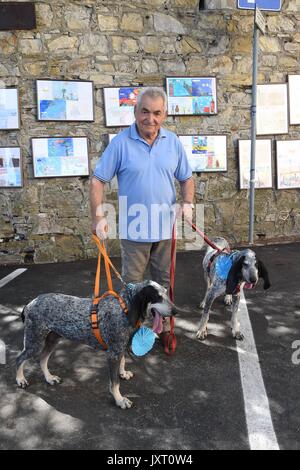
{"x": 138, "y": 305}
{"x": 234, "y": 276}
{"x": 262, "y": 272}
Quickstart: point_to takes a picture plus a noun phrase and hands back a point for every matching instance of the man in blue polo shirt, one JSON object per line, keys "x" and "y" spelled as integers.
{"x": 146, "y": 158}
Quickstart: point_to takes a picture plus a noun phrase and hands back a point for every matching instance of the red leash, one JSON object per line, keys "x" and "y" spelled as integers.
{"x": 207, "y": 240}
{"x": 169, "y": 338}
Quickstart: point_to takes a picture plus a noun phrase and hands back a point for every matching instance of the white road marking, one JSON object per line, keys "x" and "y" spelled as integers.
{"x": 258, "y": 416}
{"x": 12, "y": 276}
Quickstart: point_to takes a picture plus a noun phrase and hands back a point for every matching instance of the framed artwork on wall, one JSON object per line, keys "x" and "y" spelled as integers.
{"x": 206, "y": 153}
{"x": 9, "y": 109}
{"x": 288, "y": 164}
{"x": 294, "y": 98}
{"x": 263, "y": 163}
{"x": 272, "y": 109}
{"x": 191, "y": 95}
{"x": 60, "y": 156}
{"x": 10, "y": 167}
{"x": 65, "y": 100}
{"x": 119, "y": 105}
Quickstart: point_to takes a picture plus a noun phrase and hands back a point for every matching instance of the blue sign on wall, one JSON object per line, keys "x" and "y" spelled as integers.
{"x": 271, "y": 5}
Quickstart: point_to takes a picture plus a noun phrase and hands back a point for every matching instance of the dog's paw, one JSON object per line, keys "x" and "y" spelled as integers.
{"x": 202, "y": 334}
{"x": 228, "y": 299}
{"x": 124, "y": 403}
{"x": 126, "y": 375}
{"x": 53, "y": 379}
{"x": 22, "y": 383}
{"x": 238, "y": 336}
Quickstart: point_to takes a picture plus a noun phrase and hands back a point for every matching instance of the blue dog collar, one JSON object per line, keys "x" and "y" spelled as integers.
{"x": 142, "y": 341}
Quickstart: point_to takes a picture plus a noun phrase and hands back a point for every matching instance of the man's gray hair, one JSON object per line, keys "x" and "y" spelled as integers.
{"x": 153, "y": 92}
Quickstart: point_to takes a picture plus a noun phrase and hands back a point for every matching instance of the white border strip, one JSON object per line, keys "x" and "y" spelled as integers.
{"x": 258, "y": 416}
{"x": 12, "y": 276}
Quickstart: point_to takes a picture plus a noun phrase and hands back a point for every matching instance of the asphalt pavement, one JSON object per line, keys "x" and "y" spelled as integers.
{"x": 194, "y": 399}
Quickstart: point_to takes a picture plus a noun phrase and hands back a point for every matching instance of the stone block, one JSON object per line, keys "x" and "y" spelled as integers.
{"x": 242, "y": 45}
{"x": 30, "y": 46}
{"x": 35, "y": 68}
{"x": 91, "y": 44}
{"x": 172, "y": 66}
{"x": 108, "y": 23}
{"x": 77, "y": 17}
{"x": 8, "y": 43}
{"x": 62, "y": 44}
{"x": 151, "y": 44}
{"x": 269, "y": 44}
{"x": 149, "y": 66}
{"x": 167, "y": 24}
{"x": 132, "y": 22}
{"x": 44, "y": 16}
{"x": 188, "y": 45}
{"x": 129, "y": 46}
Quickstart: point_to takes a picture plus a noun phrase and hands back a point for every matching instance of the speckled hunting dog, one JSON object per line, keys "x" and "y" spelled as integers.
{"x": 227, "y": 274}
{"x": 52, "y": 316}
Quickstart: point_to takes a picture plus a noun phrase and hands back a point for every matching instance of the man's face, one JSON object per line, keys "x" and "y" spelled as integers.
{"x": 150, "y": 116}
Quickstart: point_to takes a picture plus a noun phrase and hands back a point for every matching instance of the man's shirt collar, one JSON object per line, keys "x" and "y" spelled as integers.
{"x": 136, "y": 136}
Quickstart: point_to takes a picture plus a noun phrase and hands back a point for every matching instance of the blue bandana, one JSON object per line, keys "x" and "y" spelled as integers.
{"x": 223, "y": 265}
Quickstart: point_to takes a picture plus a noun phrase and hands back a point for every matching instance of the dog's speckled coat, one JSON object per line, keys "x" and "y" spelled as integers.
{"x": 246, "y": 268}
{"x": 52, "y": 316}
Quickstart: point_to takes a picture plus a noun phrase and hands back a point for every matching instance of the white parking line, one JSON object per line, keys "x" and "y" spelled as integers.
{"x": 12, "y": 276}
{"x": 258, "y": 416}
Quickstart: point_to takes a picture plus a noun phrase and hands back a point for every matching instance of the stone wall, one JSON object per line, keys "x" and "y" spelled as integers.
{"x": 140, "y": 42}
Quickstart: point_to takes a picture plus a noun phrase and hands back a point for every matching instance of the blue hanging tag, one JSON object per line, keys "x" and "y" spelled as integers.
{"x": 142, "y": 341}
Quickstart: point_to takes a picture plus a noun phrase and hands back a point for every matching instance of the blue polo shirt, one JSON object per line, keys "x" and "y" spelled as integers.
{"x": 145, "y": 173}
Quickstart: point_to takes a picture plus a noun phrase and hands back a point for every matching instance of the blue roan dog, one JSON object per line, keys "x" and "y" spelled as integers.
{"x": 227, "y": 274}
{"x": 50, "y": 317}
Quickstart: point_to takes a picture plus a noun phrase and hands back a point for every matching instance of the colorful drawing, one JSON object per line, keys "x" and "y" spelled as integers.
{"x": 263, "y": 163}
{"x": 60, "y": 147}
{"x": 180, "y": 87}
{"x": 53, "y": 109}
{"x": 9, "y": 108}
{"x": 67, "y": 91}
{"x": 119, "y": 105}
{"x": 10, "y": 167}
{"x": 205, "y": 153}
{"x": 294, "y": 98}
{"x": 60, "y": 156}
{"x": 128, "y": 96}
{"x": 288, "y": 164}
{"x": 272, "y": 109}
{"x": 65, "y": 100}
{"x": 192, "y": 96}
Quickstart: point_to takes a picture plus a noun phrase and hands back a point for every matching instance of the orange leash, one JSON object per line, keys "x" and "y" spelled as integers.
{"x": 108, "y": 264}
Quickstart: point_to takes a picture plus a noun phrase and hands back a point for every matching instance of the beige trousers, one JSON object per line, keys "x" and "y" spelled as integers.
{"x": 136, "y": 256}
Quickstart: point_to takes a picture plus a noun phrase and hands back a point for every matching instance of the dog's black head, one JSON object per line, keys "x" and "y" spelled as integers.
{"x": 150, "y": 298}
{"x": 246, "y": 269}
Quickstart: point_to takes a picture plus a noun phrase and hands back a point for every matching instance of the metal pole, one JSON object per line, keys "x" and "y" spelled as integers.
{"x": 253, "y": 133}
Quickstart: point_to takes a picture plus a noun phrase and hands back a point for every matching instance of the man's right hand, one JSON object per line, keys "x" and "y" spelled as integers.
{"x": 102, "y": 228}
